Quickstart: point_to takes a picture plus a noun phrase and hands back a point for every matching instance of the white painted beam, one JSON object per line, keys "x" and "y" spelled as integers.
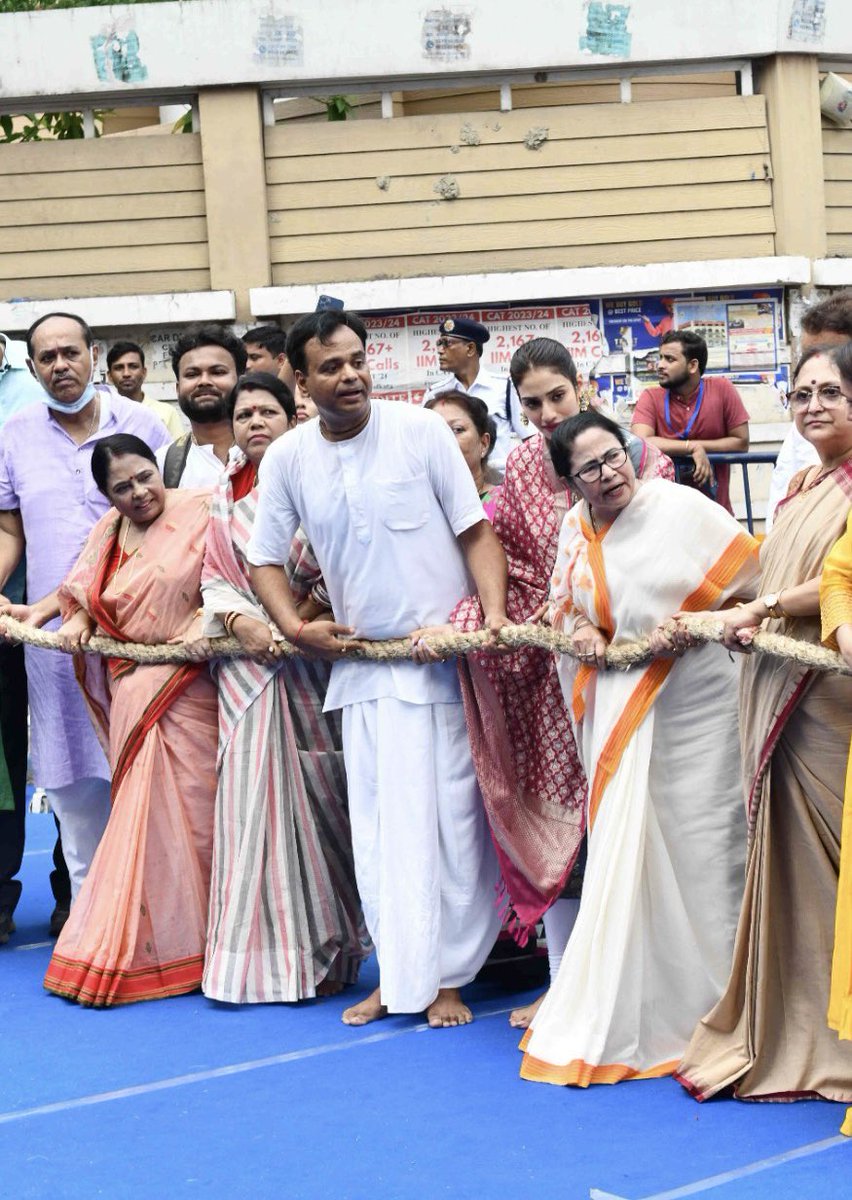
{"x": 439, "y": 292}
{"x": 832, "y": 272}
{"x": 104, "y": 312}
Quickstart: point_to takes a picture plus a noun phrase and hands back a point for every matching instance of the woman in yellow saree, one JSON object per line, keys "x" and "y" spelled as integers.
{"x": 835, "y": 595}
{"x": 137, "y": 930}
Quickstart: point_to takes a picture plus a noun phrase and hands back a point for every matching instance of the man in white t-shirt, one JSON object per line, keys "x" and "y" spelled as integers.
{"x": 459, "y": 344}
{"x": 207, "y": 362}
{"x": 828, "y": 323}
{"x": 390, "y": 509}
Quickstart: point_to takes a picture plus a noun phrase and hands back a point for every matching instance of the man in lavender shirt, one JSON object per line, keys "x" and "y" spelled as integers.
{"x": 48, "y": 504}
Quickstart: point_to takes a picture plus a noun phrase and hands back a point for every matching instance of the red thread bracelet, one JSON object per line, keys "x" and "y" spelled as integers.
{"x": 299, "y": 632}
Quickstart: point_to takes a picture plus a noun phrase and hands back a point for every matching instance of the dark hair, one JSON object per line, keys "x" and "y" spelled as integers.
{"x": 321, "y": 325}
{"x": 209, "y": 335}
{"x": 566, "y": 433}
{"x": 117, "y": 445}
{"x": 88, "y": 337}
{"x": 263, "y": 381}
{"x": 694, "y": 345}
{"x": 832, "y": 315}
{"x": 475, "y": 408}
{"x": 840, "y": 355}
{"x": 542, "y": 352}
{"x": 120, "y": 349}
{"x": 269, "y": 337}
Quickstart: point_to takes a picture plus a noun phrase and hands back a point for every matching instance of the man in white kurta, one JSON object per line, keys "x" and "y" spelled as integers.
{"x": 392, "y": 514}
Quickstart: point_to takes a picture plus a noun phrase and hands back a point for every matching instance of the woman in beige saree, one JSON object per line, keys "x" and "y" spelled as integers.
{"x": 768, "y": 1037}
{"x": 137, "y": 929}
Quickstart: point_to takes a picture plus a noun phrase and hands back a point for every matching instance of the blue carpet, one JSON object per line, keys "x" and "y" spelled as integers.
{"x": 286, "y": 1102}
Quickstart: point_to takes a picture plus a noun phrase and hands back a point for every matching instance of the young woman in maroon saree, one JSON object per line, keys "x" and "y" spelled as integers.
{"x": 137, "y": 930}
{"x": 520, "y": 734}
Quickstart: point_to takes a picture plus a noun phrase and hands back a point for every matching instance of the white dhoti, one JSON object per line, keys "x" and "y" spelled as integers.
{"x": 424, "y": 863}
{"x": 82, "y": 809}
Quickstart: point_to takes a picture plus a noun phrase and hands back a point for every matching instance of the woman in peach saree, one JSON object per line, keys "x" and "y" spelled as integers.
{"x": 138, "y": 927}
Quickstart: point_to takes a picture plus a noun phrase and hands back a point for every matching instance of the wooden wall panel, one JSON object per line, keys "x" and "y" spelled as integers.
{"x": 837, "y": 166}
{"x": 106, "y": 217}
{"x": 612, "y": 183}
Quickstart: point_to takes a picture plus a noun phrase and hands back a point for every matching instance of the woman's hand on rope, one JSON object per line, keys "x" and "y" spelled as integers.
{"x": 423, "y": 653}
{"x": 665, "y": 642}
{"x": 843, "y": 633}
{"x": 256, "y": 638}
{"x": 76, "y": 632}
{"x": 590, "y": 646}
{"x": 197, "y": 647}
{"x": 739, "y": 625}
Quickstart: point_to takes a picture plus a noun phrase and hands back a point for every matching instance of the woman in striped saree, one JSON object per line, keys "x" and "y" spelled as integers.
{"x": 138, "y": 927}
{"x": 652, "y": 944}
{"x": 285, "y": 921}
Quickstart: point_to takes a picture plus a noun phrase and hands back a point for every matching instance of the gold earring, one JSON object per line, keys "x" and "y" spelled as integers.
{"x": 524, "y": 419}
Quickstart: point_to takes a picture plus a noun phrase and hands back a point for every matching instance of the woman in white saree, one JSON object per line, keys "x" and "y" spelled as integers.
{"x": 651, "y": 950}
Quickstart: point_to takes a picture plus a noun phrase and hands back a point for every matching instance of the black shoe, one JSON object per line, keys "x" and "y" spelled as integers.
{"x": 58, "y": 918}
{"x": 7, "y": 925}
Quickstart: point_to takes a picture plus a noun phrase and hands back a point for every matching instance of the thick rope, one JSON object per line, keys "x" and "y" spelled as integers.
{"x": 621, "y": 658}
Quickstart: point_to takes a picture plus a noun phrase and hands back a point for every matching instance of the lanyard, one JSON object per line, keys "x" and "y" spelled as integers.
{"x": 684, "y": 433}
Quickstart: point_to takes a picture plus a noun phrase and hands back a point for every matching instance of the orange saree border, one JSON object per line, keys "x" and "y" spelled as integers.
{"x": 578, "y": 1073}
{"x": 97, "y": 987}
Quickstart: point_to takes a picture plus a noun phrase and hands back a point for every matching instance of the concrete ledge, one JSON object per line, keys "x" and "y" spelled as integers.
{"x": 104, "y": 312}
{"x": 832, "y": 272}
{"x": 439, "y": 292}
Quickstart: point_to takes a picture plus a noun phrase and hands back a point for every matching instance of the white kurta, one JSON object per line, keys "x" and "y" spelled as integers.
{"x": 203, "y": 467}
{"x": 382, "y": 512}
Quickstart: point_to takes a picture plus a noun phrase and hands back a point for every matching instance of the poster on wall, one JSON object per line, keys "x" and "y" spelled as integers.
{"x": 614, "y": 342}
{"x": 403, "y": 356}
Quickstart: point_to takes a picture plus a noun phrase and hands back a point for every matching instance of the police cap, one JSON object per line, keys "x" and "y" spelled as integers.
{"x": 465, "y": 329}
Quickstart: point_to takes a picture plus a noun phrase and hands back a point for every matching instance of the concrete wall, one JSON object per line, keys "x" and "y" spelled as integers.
{"x": 133, "y": 50}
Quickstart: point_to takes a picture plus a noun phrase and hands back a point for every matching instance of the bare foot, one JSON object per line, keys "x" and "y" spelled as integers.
{"x": 330, "y": 987}
{"x": 368, "y": 1010}
{"x": 448, "y": 1009}
{"x": 521, "y": 1018}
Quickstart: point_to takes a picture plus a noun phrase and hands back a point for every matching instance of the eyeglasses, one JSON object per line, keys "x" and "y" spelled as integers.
{"x": 592, "y": 471}
{"x": 443, "y": 342}
{"x": 829, "y": 396}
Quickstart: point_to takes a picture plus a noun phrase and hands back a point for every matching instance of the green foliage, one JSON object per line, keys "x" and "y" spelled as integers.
{"x": 337, "y": 107}
{"x": 47, "y": 126}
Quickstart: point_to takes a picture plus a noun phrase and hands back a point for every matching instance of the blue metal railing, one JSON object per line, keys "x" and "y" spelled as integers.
{"x": 745, "y": 460}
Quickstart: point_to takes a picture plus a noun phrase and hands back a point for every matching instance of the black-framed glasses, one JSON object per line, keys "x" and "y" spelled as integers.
{"x": 443, "y": 342}
{"x": 829, "y": 395}
{"x": 590, "y": 472}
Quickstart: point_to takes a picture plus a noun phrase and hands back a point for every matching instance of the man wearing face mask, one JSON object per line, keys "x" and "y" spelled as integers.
{"x": 48, "y": 504}
{"x": 207, "y": 362}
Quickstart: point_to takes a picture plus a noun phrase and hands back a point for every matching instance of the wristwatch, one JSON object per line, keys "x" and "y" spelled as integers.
{"x": 773, "y": 605}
